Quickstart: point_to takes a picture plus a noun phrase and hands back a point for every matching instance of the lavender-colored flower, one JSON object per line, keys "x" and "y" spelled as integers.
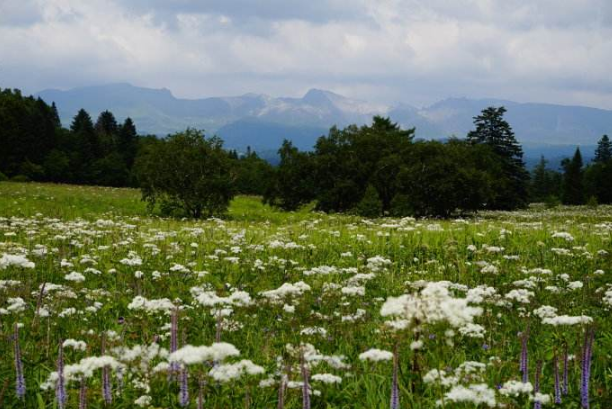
{"x": 184, "y": 387}
{"x": 524, "y": 363}
{"x": 83, "y": 394}
{"x": 305, "y": 386}
{"x": 565, "y": 389}
{"x": 106, "y": 379}
{"x": 394, "y": 385}
{"x": 536, "y": 386}
{"x": 557, "y": 385}
{"x": 60, "y": 386}
{"x": 20, "y": 387}
{"x": 587, "y": 351}
{"x": 174, "y": 366}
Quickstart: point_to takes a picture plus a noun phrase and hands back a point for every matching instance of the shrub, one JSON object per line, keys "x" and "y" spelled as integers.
{"x": 186, "y": 173}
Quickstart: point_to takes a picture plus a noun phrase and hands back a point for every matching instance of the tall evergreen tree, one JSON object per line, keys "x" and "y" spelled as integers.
{"x": 88, "y": 147}
{"x": 127, "y": 141}
{"x": 493, "y": 130}
{"x": 573, "y": 184}
{"x": 603, "y": 153}
{"x": 106, "y": 123}
{"x": 55, "y": 115}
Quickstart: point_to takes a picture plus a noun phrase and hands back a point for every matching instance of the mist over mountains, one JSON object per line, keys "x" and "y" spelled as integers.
{"x": 262, "y": 122}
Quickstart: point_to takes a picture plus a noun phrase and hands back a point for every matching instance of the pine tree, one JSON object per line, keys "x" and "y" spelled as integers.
{"x": 106, "y": 124}
{"x": 127, "y": 142}
{"x": 603, "y": 153}
{"x": 55, "y": 116}
{"x": 573, "y": 184}
{"x": 493, "y": 130}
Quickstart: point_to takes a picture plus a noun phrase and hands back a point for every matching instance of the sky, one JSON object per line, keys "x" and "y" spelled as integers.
{"x": 384, "y": 51}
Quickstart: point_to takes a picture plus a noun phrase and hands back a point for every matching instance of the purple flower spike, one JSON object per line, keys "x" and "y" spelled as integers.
{"x": 20, "y": 387}
{"x": 174, "y": 366}
{"x": 305, "y": 386}
{"x": 83, "y": 394}
{"x": 587, "y": 352}
{"x": 536, "y": 387}
{"x": 60, "y": 387}
{"x": 565, "y": 389}
{"x": 184, "y": 392}
{"x": 524, "y": 364}
{"x": 557, "y": 385}
{"x": 394, "y": 386}
{"x": 106, "y": 379}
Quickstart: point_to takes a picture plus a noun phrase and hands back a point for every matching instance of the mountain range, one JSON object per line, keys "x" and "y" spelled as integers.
{"x": 262, "y": 121}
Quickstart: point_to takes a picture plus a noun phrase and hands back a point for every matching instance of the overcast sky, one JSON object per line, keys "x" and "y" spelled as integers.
{"x": 413, "y": 51}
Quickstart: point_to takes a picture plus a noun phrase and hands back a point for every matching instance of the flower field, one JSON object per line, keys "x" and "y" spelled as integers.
{"x": 102, "y": 305}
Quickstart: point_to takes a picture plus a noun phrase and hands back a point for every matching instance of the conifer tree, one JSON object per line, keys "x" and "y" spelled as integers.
{"x": 493, "y": 130}
{"x": 603, "y": 153}
{"x": 573, "y": 186}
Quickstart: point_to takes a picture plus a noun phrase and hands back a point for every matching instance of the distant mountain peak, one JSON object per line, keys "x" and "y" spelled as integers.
{"x": 157, "y": 111}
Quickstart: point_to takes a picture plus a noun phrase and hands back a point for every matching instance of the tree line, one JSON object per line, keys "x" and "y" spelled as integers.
{"x": 35, "y": 147}
{"x": 578, "y": 183}
{"x": 371, "y": 170}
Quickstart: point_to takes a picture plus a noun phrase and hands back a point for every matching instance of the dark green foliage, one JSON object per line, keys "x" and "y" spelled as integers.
{"x": 441, "y": 179}
{"x": 544, "y": 182}
{"x": 573, "y": 186}
{"x": 253, "y": 175}
{"x": 347, "y": 160}
{"x": 27, "y": 131}
{"x": 293, "y": 181}
{"x": 494, "y": 131}
{"x": 3, "y": 177}
{"x": 57, "y": 166}
{"x": 186, "y": 174}
{"x": 370, "y": 204}
{"x": 603, "y": 153}
{"x": 127, "y": 142}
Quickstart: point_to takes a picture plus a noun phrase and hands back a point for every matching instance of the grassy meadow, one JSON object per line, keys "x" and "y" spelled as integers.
{"x": 105, "y": 305}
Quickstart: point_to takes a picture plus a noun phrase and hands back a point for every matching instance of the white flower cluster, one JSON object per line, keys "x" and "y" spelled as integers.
{"x": 227, "y": 372}
{"x": 140, "y": 303}
{"x": 476, "y": 394}
{"x": 376, "y": 355}
{"x": 432, "y": 304}
{"x": 190, "y": 354}
{"x": 286, "y": 290}
{"x": 16, "y": 260}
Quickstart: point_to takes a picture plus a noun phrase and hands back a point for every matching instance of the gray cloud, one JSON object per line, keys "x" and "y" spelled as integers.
{"x": 413, "y": 51}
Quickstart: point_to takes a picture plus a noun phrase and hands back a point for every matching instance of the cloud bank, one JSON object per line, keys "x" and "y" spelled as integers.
{"x": 381, "y": 50}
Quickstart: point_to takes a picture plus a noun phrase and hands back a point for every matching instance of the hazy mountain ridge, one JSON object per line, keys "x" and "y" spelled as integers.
{"x": 262, "y": 121}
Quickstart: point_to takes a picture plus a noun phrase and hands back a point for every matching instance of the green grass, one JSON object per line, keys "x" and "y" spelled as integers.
{"x": 95, "y": 229}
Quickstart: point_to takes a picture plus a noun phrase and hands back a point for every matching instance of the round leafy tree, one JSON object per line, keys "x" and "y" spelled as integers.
{"x": 187, "y": 174}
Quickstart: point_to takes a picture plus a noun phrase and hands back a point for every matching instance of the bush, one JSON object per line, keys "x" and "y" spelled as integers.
{"x": 3, "y": 177}
{"x": 552, "y": 201}
{"x": 370, "y": 205}
{"x": 186, "y": 173}
{"x": 20, "y": 178}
